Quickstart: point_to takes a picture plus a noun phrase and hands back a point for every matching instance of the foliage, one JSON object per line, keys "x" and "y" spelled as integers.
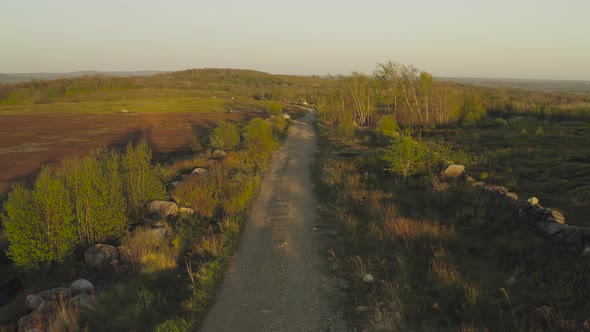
{"x": 387, "y": 126}
{"x": 82, "y": 201}
{"x": 226, "y": 136}
{"x": 275, "y": 108}
{"x": 258, "y": 136}
{"x": 143, "y": 183}
{"x": 472, "y": 111}
{"x": 405, "y": 155}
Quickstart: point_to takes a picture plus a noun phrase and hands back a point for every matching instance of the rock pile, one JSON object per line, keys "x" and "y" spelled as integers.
{"x": 45, "y": 305}
{"x": 550, "y": 222}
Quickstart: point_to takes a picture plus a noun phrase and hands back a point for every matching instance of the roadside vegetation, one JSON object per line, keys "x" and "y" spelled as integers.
{"x": 161, "y": 283}
{"x": 440, "y": 255}
{"x": 422, "y": 253}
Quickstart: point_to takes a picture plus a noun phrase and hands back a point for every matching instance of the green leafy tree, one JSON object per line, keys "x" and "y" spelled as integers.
{"x": 404, "y": 155}
{"x": 40, "y": 223}
{"x": 96, "y": 185}
{"x": 225, "y": 136}
{"x": 142, "y": 181}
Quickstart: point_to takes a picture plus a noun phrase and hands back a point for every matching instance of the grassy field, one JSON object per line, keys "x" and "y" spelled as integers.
{"x": 444, "y": 256}
{"x": 548, "y": 160}
{"x": 93, "y": 104}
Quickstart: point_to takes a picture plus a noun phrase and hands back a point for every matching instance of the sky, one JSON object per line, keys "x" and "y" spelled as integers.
{"x": 531, "y": 39}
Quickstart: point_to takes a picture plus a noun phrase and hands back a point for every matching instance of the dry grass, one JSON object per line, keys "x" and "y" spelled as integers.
{"x": 408, "y": 230}
{"x": 148, "y": 252}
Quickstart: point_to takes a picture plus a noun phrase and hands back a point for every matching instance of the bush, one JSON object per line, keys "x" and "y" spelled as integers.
{"x": 387, "y": 126}
{"x": 142, "y": 181}
{"x": 226, "y": 136}
{"x": 34, "y": 226}
{"x": 275, "y": 108}
{"x": 404, "y": 155}
{"x": 258, "y": 136}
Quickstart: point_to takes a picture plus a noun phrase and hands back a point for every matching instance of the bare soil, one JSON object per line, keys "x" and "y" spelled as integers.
{"x": 27, "y": 142}
{"x": 277, "y": 279}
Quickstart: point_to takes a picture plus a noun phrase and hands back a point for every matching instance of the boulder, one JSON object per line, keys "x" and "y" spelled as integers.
{"x": 158, "y": 232}
{"x": 512, "y": 195}
{"x": 586, "y": 252}
{"x": 56, "y": 294}
{"x": 101, "y": 256}
{"x": 453, "y": 171}
{"x": 82, "y": 286}
{"x": 367, "y": 278}
{"x": 186, "y": 211}
{"x": 219, "y": 154}
{"x": 586, "y": 234}
{"x": 556, "y": 217}
{"x": 574, "y": 237}
{"x": 125, "y": 255}
{"x": 40, "y": 318}
{"x": 82, "y": 300}
{"x": 199, "y": 171}
{"x": 533, "y": 201}
{"x": 33, "y": 301}
{"x": 163, "y": 208}
{"x": 510, "y": 281}
{"x": 124, "y": 111}
{"x": 554, "y": 228}
{"x": 175, "y": 184}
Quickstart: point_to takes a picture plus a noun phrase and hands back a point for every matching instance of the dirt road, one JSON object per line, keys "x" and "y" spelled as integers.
{"x": 275, "y": 281}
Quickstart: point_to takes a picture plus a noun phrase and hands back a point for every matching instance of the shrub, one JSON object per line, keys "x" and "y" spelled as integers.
{"x": 142, "y": 181}
{"x": 387, "y": 126}
{"x": 36, "y": 237}
{"x": 275, "y": 108}
{"x": 96, "y": 185}
{"x": 258, "y": 136}
{"x": 226, "y": 136}
{"x": 404, "y": 155}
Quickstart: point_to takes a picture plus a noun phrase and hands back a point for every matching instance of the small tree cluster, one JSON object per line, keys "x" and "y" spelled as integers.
{"x": 81, "y": 202}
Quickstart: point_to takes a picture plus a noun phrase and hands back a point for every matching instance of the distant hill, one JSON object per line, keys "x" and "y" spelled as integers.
{"x": 539, "y": 85}
{"x": 10, "y": 78}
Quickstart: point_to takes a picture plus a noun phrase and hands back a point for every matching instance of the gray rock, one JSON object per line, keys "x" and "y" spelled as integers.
{"x": 554, "y": 228}
{"x": 219, "y": 154}
{"x": 39, "y": 318}
{"x": 82, "y": 286}
{"x": 367, "y": 278}
{"x": 557, "y": 216}
{"x": 586, "y": 252}
{"x": 586, "y": 234}
{"x": 82, "y": 300}
{"x": 125, "y": 255}
{"x": 511, "y": 281}
{"x": 101, "y": 256}
{"x": 533, "y": 201}
{"x": 175, "y": 184}
{"x": 33, "y": 301}
{"x": 512, "y": 195}
{"x": 361, "y": 308}
{"x": 56, "y": 294}
{"x": 199, "y": 171}
{"x": 186, "y": 211}
{"x": 453, "y": 171}
{"x": 575, "y": 237}
{"x": 163, "y": 208}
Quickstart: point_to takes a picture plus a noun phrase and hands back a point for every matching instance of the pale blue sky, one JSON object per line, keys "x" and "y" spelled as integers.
{"x": 500, "y": 38}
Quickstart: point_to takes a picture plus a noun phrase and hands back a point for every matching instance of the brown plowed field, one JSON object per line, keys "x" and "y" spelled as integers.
{"x": 29, "y": 141}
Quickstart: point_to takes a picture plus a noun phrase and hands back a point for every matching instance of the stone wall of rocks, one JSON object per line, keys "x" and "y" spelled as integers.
{"x": 551, "y": 223}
